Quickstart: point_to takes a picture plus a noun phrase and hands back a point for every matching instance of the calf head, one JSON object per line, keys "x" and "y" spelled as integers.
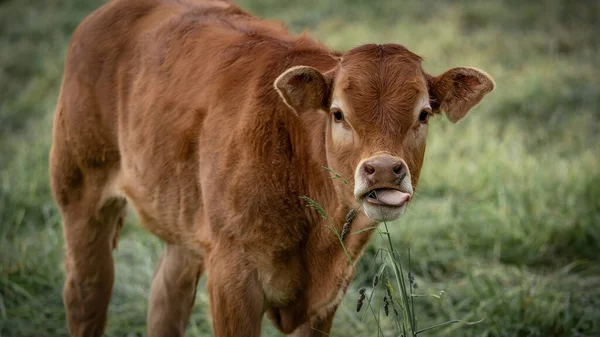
{"x": 379, "y": 101}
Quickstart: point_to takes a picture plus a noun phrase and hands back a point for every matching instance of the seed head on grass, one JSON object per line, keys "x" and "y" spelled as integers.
{"x": 316, "y": 206}
{"x": 361, "y": 299}
{"x": 375, "y": 280}
{"x": 349, "y": 218}
{"x": 411, "y": 279}
{"x": 386, "y": 305}
{"x": 334, "y": 175}
{"x": 345, "y": 230}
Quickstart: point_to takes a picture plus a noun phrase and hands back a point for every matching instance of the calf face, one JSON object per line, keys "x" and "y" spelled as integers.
{"x": 379, "y": 101}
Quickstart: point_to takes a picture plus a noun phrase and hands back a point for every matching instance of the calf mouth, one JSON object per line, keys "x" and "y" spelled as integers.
{"x": 386, "y": 197}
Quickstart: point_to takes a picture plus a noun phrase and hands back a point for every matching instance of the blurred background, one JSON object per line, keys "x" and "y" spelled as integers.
{"x": 506, "y": 220}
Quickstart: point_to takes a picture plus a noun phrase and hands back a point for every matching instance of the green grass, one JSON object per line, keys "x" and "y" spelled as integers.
{"x": 506, "y": 220}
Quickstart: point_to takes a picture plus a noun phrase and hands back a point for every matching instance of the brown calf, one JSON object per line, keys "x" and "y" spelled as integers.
{"x": 212, "y": 124}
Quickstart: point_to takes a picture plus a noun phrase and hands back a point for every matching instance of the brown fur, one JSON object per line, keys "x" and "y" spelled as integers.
{"x": 170, "y": 106}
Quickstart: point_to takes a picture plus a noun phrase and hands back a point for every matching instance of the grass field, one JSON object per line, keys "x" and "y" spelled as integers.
{"x": 506, "y": 221}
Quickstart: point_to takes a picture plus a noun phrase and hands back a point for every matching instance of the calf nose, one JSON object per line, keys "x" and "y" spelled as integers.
{"x": 384, "y": 169}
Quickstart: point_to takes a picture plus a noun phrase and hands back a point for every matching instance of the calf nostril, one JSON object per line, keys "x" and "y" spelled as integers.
{"x": 369, "y": 169}
{"x": 398, "y": 169}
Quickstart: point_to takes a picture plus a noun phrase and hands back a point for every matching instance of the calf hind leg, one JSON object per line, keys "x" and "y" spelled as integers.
{"x": 173, "y": 292}
{"x": 91, "y": 225}
{"x": 90, "y": 237}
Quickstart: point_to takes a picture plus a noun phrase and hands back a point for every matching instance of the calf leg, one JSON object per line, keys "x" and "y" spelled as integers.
{"x": 236, "y": 299}
{"x": 173, "y": 292}
{"x": 90, "y": 224}
{"x": 90, "y": 236}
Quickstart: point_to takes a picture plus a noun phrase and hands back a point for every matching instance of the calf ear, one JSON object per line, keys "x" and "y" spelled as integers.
{"x": 303, "y": 88}
{"x": 460, "y": 89}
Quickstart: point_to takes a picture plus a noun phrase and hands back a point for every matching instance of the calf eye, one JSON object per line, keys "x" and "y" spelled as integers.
{"x": 338, "y": 116}
{"x": 424, "y": 116}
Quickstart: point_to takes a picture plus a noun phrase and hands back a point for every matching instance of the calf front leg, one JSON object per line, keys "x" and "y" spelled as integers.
{"x": 173, "y": 292}
{"x": 236, "y": 298}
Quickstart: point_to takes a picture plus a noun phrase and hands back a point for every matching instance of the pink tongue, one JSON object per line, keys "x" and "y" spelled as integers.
{"x": 391, "y": 197}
